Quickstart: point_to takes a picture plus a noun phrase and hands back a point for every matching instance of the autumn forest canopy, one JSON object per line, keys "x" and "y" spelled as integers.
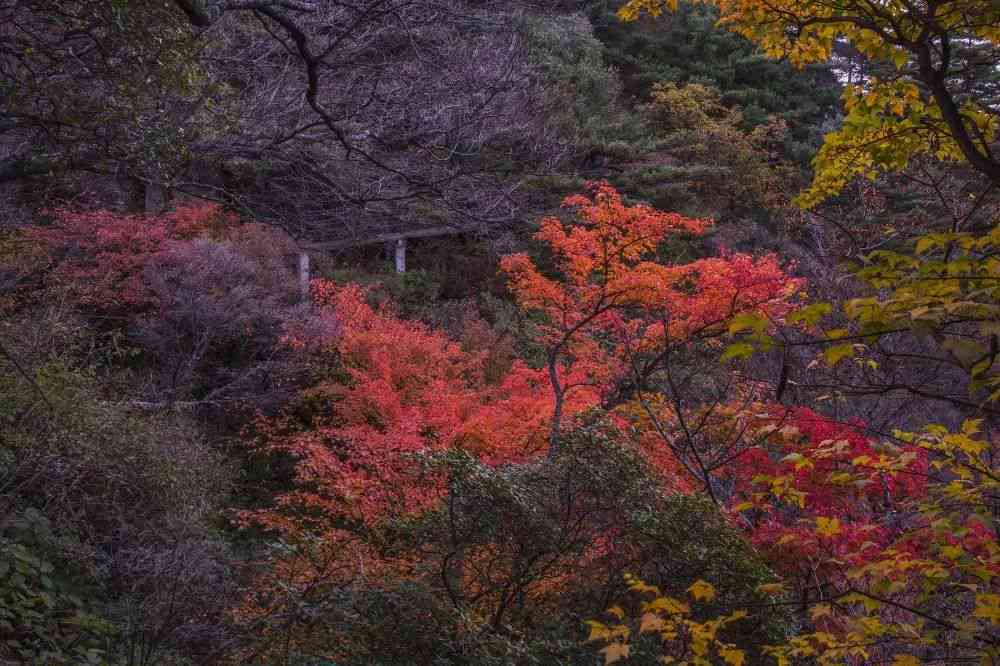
{"x": 482, "y": 332}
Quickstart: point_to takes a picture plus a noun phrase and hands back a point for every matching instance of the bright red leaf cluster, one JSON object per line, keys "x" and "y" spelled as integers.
{"x": 403, "y": 389}
{"x": 98, "y": 256}
{"x": 817, "y": 490}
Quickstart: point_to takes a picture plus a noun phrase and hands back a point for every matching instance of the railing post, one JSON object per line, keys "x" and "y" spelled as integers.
{"x": 401, "y": 255}
{"x": 304, "y": 277}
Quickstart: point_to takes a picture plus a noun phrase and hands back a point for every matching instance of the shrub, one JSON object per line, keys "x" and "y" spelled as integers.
{"x": 130, "y": 497}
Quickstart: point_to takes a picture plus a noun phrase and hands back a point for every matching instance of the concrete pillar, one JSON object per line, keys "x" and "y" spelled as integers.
{"x": 304, "y": 277}
{"x": 401, "y": 255}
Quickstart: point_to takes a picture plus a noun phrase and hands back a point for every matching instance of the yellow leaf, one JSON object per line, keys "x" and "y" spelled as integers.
{"x": 637, "y": 585}
{"x": 617, "y": 612}
{"x": 988, "y": 607}
{"x": 820, "y": 610}
{"x": 747, "y": 321}
{"x": 905, "y": 660}
{"x": 732, "y": 656}
{"x": 771, "y": 588}
{"x": 598, "y": 632}
{"x": 701, "y": 591}
{"x": 737, "y": 350}
{"x": 615, "y": 652}
{"x": 827, "y": 527}
{"x": 837, "y": 353}
{"x": 810, "y": 314}
{"x": 667, "y": 604}
{"x": 971, "y": 426}
{"x": 736, "y": 615}
{"x": 650, "y": 622}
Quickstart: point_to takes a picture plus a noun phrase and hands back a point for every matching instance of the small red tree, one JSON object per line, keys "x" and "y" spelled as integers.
{"x": 603, "y": 270}
{"x": 98, "y": 257}
{"x": 613, "y": 314}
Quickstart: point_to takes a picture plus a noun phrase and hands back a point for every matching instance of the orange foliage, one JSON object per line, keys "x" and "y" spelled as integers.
{"x": 402, "y": 389}
{"x": 612, "y": 304}
{"x": 603, "y": 271}
{"x": 405, "y": 389}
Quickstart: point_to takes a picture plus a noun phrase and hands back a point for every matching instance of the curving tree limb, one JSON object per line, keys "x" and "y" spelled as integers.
{"x": 204, "y": 13}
